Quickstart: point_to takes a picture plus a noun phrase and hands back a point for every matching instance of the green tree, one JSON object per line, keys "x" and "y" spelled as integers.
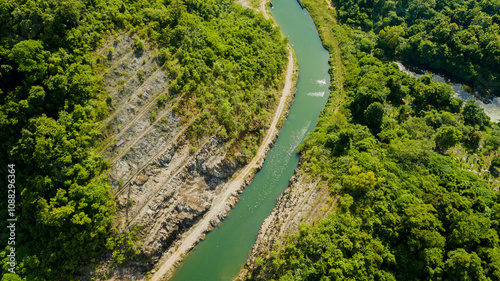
{"x": 373, "y": 116}
{"x": 474, "y": 115}
{"x": 139, "y": 46}
{"x": 30, "y": 58}
{"x": 495, "y": 162}
{"x": 11, "y": 277}
{"x": 447, "y": 136}
{"x": 390, "y": 36}
{"x": 463, "y": 265}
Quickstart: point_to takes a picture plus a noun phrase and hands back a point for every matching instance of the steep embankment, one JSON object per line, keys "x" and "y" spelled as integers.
{"x": 88, "y": 105}
{"x": 168, "y": 194}
{"x": 302, "y": 202}
{"x": 228, "y": 196}
{"x": 222, "y": 203}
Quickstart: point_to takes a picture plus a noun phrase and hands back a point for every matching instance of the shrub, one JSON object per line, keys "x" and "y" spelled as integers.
{"x": 139, "y": 46}
{"x": 447, "y": 136}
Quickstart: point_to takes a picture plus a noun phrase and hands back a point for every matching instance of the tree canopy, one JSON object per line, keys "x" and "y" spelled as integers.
{"x": 456, "y": 37}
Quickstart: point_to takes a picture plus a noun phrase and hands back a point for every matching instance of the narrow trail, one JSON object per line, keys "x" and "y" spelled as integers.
{"x": 123, "y": 57}
{"x": 193, "y": 235}
{"x": 115, "y": 88}
{"x": 260, "y": 9}
{"x": 163, "y": 183}
{"x": 136, "y": 117}
{"x": 298, "y": 208}
{"x": 329, "y": 3}
{"x": 263, "y": 9}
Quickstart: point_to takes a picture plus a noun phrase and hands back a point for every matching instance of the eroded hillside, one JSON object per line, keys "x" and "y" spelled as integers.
{"x": 163, "y": 180}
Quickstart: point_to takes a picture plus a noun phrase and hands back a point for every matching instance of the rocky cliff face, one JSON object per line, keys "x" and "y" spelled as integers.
{"x": 304, "y": 201}
{"x": 170, "y": 194}
{"x": 162, "y": 186}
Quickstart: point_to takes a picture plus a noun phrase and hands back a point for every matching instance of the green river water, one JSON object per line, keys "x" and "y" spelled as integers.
{"x": 225, "y": 250}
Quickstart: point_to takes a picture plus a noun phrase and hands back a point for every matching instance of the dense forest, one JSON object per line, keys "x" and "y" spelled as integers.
{"x": 456, "y": 37}
{"x": 415, "y": 169}
{"x": 226, "y": 60}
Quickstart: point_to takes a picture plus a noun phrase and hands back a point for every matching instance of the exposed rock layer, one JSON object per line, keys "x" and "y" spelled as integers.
{"x": 304, "y": 201}
{"x": 162, "y": 188}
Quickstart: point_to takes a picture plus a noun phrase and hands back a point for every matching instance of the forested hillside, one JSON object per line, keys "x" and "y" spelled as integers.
{"x": 415, "y": 169}
{"x": 227, "y": 62}
{"x": 460, "y": 38}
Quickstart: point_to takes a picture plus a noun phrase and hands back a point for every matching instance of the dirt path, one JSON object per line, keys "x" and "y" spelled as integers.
{"x": 132, "y": 142}
{"x": 260, "y": 9}
{"x": 263, "y": 9}
{"x": 193, "y": 235}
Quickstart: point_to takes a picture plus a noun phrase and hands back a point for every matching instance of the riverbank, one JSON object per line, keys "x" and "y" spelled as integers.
{"x": 224, "y": 251}
{"x": 166, "y": 180}
{"x": 355, "y": 161}
{"x": 303, "y": 201}
{"x": 462, "y": 91}
{"x": 230, "y": 194}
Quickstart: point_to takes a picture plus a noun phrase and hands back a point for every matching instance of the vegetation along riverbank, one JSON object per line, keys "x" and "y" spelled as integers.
{"x": 399, "y": 179}
{"x": 131, "y": 126}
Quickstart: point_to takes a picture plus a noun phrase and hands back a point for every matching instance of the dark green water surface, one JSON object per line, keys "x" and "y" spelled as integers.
{"x": 225, "y": 250}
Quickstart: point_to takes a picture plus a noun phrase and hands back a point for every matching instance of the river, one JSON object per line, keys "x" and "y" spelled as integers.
{"x": 491, "y": 108}
{"x": 225, "y": 250}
